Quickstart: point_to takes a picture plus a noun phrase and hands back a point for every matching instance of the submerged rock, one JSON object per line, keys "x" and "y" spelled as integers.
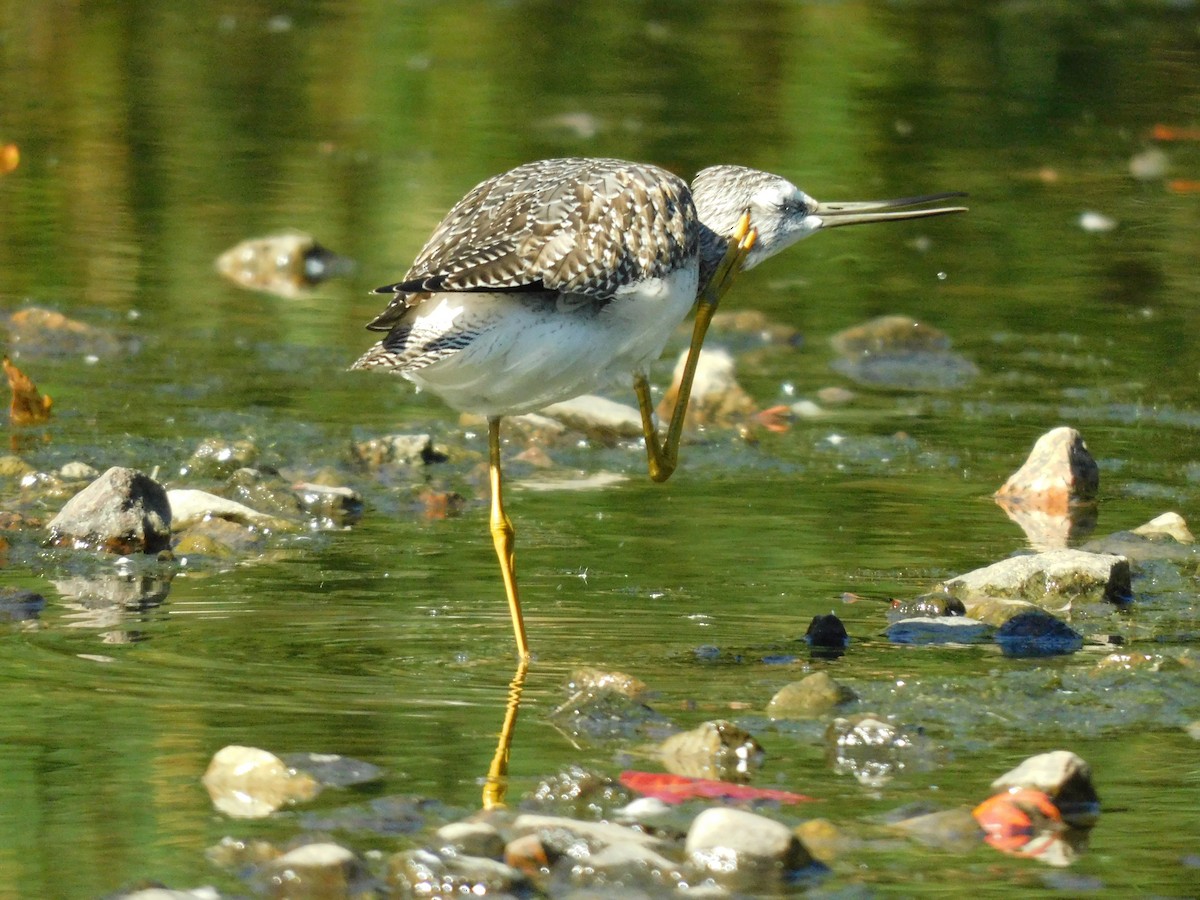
{"x": 717, "y": 749}
{"x": 716, "y": 398}
{"x": 189, "y": 507}
{"x": 955, "y": 830}
{"x": 1051, "y": 579}
{"x": 219, "y": 458}
{"x": 42, "y": 332}
{"x": 122, "y": 511}
{"x": 939, "y": 630}
{"x": 319, "y": 869}
{"x": 811, "y": 696}
{"x": 873, "y": 749}
{"x": 602, "y": 420}
{"x": 901, "y": 353}
{"x": 1037, "y": 633}
{"x": 935, "y": 604}
{"x": 396, "y": 450}
{"x": 423, "y": 873}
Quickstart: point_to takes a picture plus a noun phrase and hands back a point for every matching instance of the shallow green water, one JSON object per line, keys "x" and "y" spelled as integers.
{"x": 153, "y": 139}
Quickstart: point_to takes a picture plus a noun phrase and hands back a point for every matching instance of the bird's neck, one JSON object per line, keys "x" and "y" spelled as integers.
{"x": 712, "y": 248}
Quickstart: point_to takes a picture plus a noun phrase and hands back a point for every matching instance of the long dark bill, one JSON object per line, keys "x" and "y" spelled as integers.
{"x": 862, "y": 212}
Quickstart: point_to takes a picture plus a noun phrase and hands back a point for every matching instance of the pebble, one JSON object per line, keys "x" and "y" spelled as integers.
{"x": 811, "y": 696}
{"x": 190, "y": 506}
{"x": 288, "y": 264}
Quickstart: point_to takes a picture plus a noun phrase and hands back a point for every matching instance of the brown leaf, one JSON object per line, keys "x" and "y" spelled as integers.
{"x": 28, "y": 406}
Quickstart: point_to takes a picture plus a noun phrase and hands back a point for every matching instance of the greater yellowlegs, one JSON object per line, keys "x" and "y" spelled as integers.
{"x": 560, "y": 276}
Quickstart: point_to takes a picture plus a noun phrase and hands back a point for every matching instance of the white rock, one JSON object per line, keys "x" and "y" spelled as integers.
{"x": 189, "y": 506}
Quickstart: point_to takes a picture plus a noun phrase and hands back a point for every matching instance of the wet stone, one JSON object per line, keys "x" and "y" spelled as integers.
{"x": 1050, "y": 579}
{"x": 264, "y": 490}
{"x": 901, "y": 353}
{"x": 288, "y": 264}
{"x": 1037, "y": 633}
{"x": 122, "y": 511}
{"x": 932, "y": 605}
{"x": 811, "y": 696}
{"x": 592, "y": 679}
{"x": 1059, "y": 470}
{"x": 716, "y": 398}
{"x": 998, "y": 610}
{"x": 827, "y": 632}
{"x": 1169, "y": 524}
{"x": 579, "y": 792}
{"x": 318, "y": 870}
{"x": 1065, "y": 777}
{"x": 396, "y": 450}
{"x": 384, "y": 816}
{"x": 1141, "y": 547}
{"x": 717, "y": 749}
{"x": 219, "y": 539}
{"x": 608, "y": 715}
{"x": 602, "y": 420}
{"x": 941, "y": 630}
{"x": 20, "y": 604}
{"x": 78, "y": 471}
{"x": 219, "y": 458}
{"x": 744, "y": 851}
{"x": 190, "y": 506}
{"x": 332, "y": 770}
{"x": 627, "y": 867}
{"x": 330, "y": 505}
{"x": 422, "y": 873}
{"x": 43, "y": 332}
{"x": 249, "y": 783}
{"x": 470, "y": 839}
{"x": 14, "y": 467}
{"x": 954, "y": 830}
{"x": 823, "y": 839}
{"x": 873, "y": 749}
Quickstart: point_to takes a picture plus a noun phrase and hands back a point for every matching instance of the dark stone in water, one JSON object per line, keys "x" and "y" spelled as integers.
{"x": 1036, "y": 633}
{"x": 333, "y": 770}
{"x": 827, "y": 633}
{"x": 19, "y": 604}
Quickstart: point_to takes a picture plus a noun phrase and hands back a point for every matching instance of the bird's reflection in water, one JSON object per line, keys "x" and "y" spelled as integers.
{"x": 495, "y": 785}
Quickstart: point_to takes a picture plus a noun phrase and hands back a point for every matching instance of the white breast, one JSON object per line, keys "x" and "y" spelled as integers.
{"x": 527, "y": 355}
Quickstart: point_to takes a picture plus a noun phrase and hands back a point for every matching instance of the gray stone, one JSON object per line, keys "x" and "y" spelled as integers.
{"x": 320, "y": 869}
{"x": 122, "y": 511}
{"x": 627, "y": 866}
{"x": 940, "y": 630}
{"x": 1052, "y": 579}
{"x": 810, "y": 696}
{"x": 596, "y": 835}
{"x": 742, "y": 850}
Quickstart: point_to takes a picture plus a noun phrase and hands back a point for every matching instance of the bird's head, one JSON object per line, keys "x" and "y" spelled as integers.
{"x": 783, "y": 214}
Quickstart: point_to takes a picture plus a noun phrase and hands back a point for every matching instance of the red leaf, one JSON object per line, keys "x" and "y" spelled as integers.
{"x": 678, "y": 788}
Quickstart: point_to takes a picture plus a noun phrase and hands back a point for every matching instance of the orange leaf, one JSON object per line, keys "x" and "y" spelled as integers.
{"x": 1010, "y": 820}
{"x": 678, "y": 788}
{"x": 28, "y": 406}
{"x": 1174, "y": 133}
{"x": 10, "y": 158}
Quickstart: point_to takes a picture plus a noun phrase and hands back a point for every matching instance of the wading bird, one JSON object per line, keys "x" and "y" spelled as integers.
{"x": 560, "y": 276}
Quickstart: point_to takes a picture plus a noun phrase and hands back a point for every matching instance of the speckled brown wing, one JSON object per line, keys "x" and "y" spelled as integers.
{"x": 575, "y": 226}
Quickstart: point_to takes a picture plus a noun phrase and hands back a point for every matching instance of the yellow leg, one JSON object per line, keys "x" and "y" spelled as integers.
{"x": 495, "y": 786}
{"x": 502, "y": 537}
{"x": 663, "y": 457}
